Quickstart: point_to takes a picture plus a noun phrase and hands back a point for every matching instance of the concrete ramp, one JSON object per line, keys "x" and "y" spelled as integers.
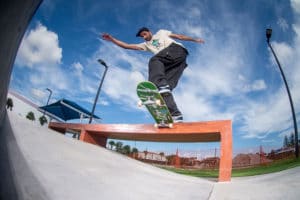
{"x": 63, "y": 168}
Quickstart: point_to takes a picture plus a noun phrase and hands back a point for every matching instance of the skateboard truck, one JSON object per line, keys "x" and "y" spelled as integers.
{"x": 163, "y": 125}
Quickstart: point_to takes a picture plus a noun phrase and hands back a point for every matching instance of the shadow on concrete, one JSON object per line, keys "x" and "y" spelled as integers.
{"x": 8, "y": 187}
{"x": 17, "y": 179}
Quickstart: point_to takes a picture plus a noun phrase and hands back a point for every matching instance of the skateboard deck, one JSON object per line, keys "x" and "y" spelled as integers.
{"x": 154, "y": 102}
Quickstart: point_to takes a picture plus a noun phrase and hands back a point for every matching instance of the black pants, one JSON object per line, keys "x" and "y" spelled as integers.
{"x": 166, "y": 68}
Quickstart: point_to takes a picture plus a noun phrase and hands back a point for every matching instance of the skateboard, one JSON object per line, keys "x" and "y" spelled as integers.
{"x": 151, "y": 98}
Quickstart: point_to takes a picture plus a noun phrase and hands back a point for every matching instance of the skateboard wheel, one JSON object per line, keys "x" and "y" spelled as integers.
{"x": 140, "y": 103}
{"x": 170, "y": 125}
{"x": 158, "y": 102}
{"x": 155, "y": 125}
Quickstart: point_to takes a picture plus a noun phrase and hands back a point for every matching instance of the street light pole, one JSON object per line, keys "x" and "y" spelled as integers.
{"x": 50, "y": 91}
{"x": 99, "y": 89}
{"x": 269, "y": 34}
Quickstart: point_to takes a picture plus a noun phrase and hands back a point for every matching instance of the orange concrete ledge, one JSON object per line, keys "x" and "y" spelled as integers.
{"x": 211, "y": 131}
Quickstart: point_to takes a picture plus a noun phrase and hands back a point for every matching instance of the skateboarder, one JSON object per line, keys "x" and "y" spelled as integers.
{"x": 167, "y": 64}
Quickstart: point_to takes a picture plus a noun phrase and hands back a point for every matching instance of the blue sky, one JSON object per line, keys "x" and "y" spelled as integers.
{"x": 232, "y": 76}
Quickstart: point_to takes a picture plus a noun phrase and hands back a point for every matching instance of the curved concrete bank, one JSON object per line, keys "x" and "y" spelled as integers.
{"x": 71, "y": 169}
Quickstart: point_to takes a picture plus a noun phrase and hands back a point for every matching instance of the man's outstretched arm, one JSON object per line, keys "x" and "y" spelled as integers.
{"x": 120, "y": 43}
{"x": 187, "y": 38}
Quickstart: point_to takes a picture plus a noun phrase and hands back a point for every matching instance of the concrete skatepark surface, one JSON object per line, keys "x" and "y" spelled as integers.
{"x": 58, "y": 167}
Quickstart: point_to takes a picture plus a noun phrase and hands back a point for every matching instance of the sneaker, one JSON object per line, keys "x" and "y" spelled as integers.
{"x": 177, "y": 118}
{"x": 164, "y": 89}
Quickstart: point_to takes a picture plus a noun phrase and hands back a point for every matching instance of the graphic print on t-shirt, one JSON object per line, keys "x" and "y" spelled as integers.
{"x": 156, "y": 43}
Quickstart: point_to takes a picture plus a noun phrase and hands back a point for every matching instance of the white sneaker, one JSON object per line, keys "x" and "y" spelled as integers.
{"x": 177, "y": 119}
{"x": 164, "y": 89}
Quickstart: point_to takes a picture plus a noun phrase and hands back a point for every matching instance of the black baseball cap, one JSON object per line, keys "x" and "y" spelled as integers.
{"x": 141, "y": 30}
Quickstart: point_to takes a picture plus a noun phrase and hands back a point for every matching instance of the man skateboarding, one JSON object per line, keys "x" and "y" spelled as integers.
{"x": 167, "y": 64}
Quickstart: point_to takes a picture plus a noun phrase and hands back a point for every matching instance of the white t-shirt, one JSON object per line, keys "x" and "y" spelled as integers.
{"x": 158, "y": 42}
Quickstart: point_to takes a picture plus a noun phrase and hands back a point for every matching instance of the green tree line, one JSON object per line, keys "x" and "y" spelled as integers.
{"x": 124, "y": 149}
{"x": 289, "y": 141}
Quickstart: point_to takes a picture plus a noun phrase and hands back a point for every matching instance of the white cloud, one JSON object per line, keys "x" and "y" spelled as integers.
{"x": 285, "y": 54}
{"x": 296, "y": 6}
{"x": 122, "y": 85}
{"x": 283, "y": 24}
{"x": 38, "y": 93}
{"x": 269, "y": 115}
{"x": 41, "y": 53}
{"x": 254, "y": 85}
{"x": 39, "y": 46}
{"x": 78, "y": 68}
{"x": 259, "y": 85}
{"x": 184, "y": 23}
{"x": 40, "y": 96}
{"x": 52, "y": 77}
{"x": 84, "y": 78}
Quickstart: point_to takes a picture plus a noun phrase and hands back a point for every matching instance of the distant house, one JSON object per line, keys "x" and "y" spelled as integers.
{"x": 151, "y": 157}
{"x": 281, "y": 153}
{"x": 209, "y": 163}
{"x": 246, "y": 160}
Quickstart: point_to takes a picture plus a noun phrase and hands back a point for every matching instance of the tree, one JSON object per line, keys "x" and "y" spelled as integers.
{"x": 126, "y": 149}
{"x": 161, "y": 155}
{"x": 285, "y": 141}
{"x": 30, "y": 116}
{"x": 9, "y": 104}
{"x": 135, "y": 152}
{"x": 43, "y": 120}
{"x": 111, "y": 143}
{"x": 119, "y": 146}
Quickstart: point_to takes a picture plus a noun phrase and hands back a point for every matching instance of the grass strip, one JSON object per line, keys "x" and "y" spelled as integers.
{"x": 275, "y": 166}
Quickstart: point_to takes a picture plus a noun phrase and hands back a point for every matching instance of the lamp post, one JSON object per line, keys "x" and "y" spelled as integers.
{"x": 50, "y": 93}
{"x": 269, "y": 34}
{"x": 99, "y": 89}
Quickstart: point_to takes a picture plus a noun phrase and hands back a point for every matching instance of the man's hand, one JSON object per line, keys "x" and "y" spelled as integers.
{"x": 199, "y": 41}
{"x": 106, "y": 36}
